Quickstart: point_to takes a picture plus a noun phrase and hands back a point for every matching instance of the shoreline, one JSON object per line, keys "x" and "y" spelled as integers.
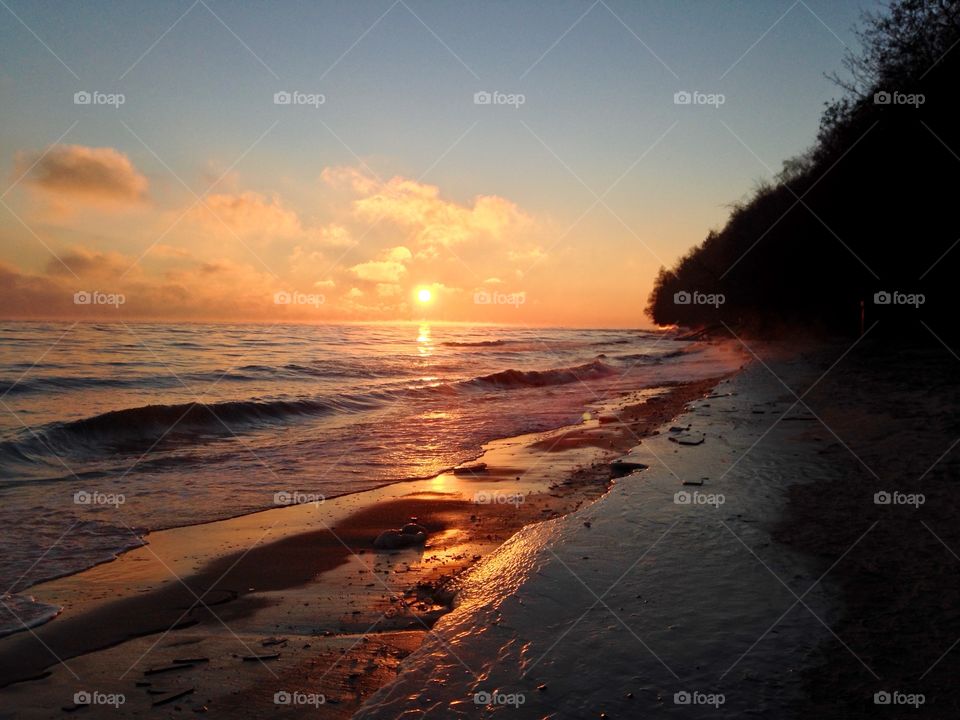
{"x": 251, "y": 586}
{"x": 664, "y": 597}
{"x": 211, "y": 502}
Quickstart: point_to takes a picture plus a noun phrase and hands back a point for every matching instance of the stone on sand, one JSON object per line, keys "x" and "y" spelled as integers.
{"x": 409, "y": 535}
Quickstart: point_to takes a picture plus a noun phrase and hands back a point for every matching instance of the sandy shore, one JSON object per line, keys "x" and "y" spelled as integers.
{"x": 890, "y": 421}
{"x": 800, "y": 595}
{"x": 628, "y": 606}
{"x": 304, "y": 584}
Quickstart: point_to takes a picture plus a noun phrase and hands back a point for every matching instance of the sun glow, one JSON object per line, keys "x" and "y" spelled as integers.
{"x": 424, "y": 295}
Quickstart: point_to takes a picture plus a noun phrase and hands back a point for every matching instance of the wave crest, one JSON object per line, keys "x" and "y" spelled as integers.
{"x": 542, "y": 378}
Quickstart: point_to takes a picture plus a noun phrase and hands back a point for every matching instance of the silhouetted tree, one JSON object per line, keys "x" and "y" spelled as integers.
{"x": 870, "y": 208}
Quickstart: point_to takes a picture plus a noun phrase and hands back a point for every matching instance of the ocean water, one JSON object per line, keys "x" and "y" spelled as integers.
{"x": 108, "y": 431}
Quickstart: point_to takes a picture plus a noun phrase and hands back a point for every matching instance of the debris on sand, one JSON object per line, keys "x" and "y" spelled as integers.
{"x": 173, "y": 696}
{"x": 628, "y": 463}
{"x": 411, "y": 534}
{"x": 685, "y": 436}
{"x": 168, "y": 668}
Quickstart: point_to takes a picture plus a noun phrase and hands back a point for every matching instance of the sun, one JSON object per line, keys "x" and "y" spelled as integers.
{"x": 424, "y": 295}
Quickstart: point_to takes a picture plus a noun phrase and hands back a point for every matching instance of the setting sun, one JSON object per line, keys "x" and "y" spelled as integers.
{"x": 424, "y": 295}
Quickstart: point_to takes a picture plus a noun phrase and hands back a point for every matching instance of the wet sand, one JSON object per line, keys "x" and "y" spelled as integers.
{"x": 306, "y": 582}
{"x": 893, "y": 426}
{"x": 648, "y": 595}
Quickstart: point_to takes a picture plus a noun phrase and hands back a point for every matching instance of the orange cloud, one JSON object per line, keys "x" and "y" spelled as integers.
{"x": 101, "y": 175}
{"x": 389, "y": 270}
{"x": 83, "y": 263}
{"x": 432, "y": 221}
{"x": 264, "y": 222}
{"x": 175, "y": 265}
{"x": 387, "y": 290}
{"x": 249, "y": 213}
{"x": 29, "y": 296}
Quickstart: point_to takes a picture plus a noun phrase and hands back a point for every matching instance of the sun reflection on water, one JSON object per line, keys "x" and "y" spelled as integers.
{"x": 424, "y": 341}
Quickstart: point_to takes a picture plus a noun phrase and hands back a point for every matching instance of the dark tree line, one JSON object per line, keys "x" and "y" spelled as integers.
{"x": 873, "y": 207}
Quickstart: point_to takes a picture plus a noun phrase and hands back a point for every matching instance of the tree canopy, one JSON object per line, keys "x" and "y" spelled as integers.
{"x": 866, "y": 217}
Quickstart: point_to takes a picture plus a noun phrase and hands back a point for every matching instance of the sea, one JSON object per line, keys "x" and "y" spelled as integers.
{"x": 109, "y": 431}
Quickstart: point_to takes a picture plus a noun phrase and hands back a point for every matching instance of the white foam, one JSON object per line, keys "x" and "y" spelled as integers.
{"x": 19, "y": 612}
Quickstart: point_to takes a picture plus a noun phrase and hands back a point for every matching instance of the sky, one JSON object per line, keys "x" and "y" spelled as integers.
{"x": 523, "y": 162}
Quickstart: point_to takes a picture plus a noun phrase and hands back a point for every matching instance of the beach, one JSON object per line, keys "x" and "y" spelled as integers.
{"x": 297, "y": 599}
{"x": 708, "y": 548}
{"x": 671, "y": 585}
{"x": 791, "y": 588}
{"x": 116, "y": 431}
{"x": 890, "y": 527}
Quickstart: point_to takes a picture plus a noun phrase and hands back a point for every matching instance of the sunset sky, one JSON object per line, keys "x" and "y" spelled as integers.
{"x": 200, "y": 197}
